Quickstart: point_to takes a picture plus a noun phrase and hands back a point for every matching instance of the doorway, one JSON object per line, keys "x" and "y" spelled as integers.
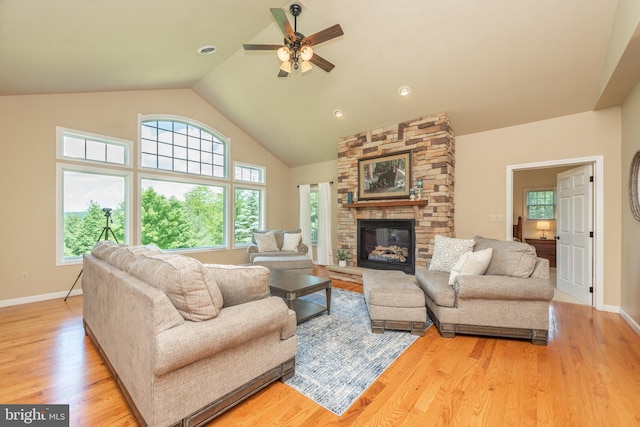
{"x": 598, "y": 211}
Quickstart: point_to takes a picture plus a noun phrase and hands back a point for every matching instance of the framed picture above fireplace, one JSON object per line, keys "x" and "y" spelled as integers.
{"x": 385, "y": 177}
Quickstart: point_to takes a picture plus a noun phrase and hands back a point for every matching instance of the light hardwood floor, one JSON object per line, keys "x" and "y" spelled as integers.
{"x": 588, "y": 375}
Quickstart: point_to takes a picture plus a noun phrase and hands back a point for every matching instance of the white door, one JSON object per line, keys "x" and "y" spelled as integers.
{"x": 574, "y": 228}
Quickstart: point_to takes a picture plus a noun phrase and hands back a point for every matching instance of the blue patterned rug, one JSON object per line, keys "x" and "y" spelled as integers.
{"x": 338, "y": 356}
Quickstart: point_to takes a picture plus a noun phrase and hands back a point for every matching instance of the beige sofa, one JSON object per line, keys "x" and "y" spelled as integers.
{"x": 511, "y": 299}
{"x": 183, "y": 340}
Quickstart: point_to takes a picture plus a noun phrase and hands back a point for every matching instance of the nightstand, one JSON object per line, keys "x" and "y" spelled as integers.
{"x": 545, "y": 248}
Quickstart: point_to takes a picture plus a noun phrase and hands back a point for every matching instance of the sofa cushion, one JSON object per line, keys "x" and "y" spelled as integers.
{"x": 509, "y": 258}
{"x": 123, "y": 256}
{"x": 103, "y": 249}
{"x": 187, "y": 283}
{"x": 291, "y": 241}
{"x": 435, "y": 285}
{"x": 471, "y": 263}
{"x": 266, "y": 242}
{"x": 446, "y": 252}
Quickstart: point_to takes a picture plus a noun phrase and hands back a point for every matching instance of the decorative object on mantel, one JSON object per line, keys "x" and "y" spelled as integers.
{"x": 349, "y": 197}
{"x": 385, "y": 177}
{"x": 343, "y": 255}
{"x": 412, "y": 194}
{"x": 634, "y": 186}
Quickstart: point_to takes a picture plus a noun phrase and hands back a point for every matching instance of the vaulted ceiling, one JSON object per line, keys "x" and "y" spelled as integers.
{"x": 489, "y": 64}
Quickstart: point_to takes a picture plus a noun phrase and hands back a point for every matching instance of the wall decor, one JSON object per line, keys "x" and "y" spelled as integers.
{"x": 385, "y": 177}
{"x": 634, "y": 184}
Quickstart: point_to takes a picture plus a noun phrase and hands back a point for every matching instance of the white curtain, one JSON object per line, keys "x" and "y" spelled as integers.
{"x": 305, "y": 216}
{"x": 323, "y": 250}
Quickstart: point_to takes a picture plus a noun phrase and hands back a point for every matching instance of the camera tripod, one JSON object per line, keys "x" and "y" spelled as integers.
{"x": 105, "y": 233}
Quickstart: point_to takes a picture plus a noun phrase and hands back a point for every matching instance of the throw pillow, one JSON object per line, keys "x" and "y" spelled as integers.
{"x": 471, "y": 263}
{"x": 291, "y": 241}
{"x": 266, "y": 242}
{"x": 446, "y": 251}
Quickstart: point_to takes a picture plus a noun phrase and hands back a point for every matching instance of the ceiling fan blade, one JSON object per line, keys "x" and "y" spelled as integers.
{"x": 283, "y": 22}
{"x": 283, "y": 73}
{"x": 262, "y": 46}
{"x": 321, "y": 62}
{"x": 324, "y": 35}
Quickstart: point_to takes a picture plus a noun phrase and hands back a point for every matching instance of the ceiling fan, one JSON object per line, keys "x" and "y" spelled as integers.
{"x": 297, "y": 50}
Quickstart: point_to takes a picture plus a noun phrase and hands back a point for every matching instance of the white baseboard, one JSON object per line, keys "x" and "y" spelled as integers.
{"x": 36, "y": 298}
{"x": 611, "y": 308}
{"x": 634, "y": 325}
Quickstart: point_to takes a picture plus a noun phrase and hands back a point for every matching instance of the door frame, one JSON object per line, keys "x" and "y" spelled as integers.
{"x": 598, "y": 213}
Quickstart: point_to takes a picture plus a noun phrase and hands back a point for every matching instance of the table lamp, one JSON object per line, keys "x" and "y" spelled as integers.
{"x": 543, "y": 226}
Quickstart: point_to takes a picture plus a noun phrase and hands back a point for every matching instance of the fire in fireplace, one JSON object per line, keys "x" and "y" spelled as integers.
{"x": 386, "y": 244}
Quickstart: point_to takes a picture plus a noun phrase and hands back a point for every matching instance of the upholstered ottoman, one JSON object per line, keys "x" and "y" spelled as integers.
{"x": 394, "y": 301}
{"x": 301, "y": 263}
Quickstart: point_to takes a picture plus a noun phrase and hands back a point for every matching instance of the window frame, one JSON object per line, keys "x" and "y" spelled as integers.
{"x": 61, "y": 168}
{"x": 188, "y": 121}
{"x": 192, "y": 180}
{"x": 61, "y": 132}
{"x": 539, "y": 190}
{"x": 261, "y": 169}
{"x": 263, "y": 197}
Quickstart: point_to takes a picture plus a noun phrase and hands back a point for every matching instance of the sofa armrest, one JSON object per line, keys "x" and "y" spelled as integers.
{"x": 503, "y": 288}
{"x": 240, "y": 283}
{"x": 252, "y": 249}
{"x": 193, "y": 341}
{"x": 302, "y": 248}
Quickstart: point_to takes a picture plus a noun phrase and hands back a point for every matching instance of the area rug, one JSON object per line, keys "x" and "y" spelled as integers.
{"x": 338, "y": 356}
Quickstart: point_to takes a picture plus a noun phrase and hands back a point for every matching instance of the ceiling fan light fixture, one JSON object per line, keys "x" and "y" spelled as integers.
{"x": 286, "y": 66}
{"x": 305, "y": 66}
{"x": 306, "y": 53}
{"x": 404, "y": 90}
{"x": 283, "y": 54}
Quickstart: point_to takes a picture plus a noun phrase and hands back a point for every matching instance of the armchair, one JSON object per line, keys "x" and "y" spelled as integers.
{"x": 511, "y": 299}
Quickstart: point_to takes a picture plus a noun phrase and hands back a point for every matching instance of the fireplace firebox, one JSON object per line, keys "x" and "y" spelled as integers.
{"x": 386, "y": 244}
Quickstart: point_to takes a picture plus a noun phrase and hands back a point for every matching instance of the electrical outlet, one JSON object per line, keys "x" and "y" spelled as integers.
{"x": 25, "y": 275}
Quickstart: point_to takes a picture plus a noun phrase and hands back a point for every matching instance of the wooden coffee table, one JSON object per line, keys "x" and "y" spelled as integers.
{"x": 290, "y": 285}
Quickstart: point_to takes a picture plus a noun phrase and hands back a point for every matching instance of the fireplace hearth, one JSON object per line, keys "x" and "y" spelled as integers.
{"x": 386, "y": 244}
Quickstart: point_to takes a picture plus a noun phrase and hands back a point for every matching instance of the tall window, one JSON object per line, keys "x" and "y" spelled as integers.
{"x": 249, "y": 202}
{"x": 94, "y": 178}
{"x": 540, "y": 204}
{"x": 180, "y": 215}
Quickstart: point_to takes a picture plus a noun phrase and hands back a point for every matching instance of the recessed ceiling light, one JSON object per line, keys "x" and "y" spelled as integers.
{"x": 404, "y": 90}
{"x": 207, "y": 50}
{"x": 338, "y": 113}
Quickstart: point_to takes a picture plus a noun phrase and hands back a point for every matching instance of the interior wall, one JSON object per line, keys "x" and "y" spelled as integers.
{"x": 630, "y": 227}
{"x": 481, "y": 165}
{"x": 534, "y": 179}
{"x": 28, "y": 174}
{"x": 313, "y": 174}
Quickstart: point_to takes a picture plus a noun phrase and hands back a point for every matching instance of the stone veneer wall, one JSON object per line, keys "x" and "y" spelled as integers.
{"x": 432, "y": 143}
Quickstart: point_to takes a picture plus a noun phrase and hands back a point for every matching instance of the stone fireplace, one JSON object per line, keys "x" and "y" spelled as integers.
{"x": 431, "y": 142}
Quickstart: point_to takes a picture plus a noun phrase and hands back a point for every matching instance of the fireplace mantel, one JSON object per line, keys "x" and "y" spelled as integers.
{"x": 415, "y": 204}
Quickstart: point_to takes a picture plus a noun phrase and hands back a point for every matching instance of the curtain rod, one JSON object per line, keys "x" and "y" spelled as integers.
{"x": 330, "y": 183}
